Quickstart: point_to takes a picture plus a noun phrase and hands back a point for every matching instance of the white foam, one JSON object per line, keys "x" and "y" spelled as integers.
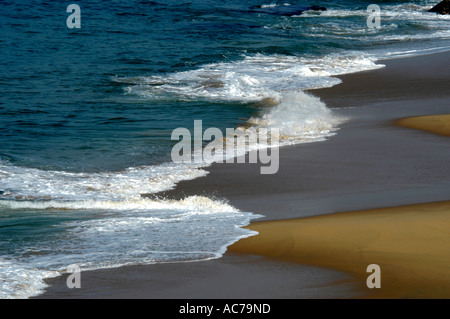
{"x": 406, "y": 53}
{"x": 406, "y": 12}
{"x": 139, "y": 203}
{"x": 20, "y": 281}
{"x": 123, "y": 233}
{"x": 253, "y": 78}
{"x": 443, "y": 34}
{"x": 300, "y": 118}
{"x": 432, "y": 26}
{"x": 118, "y": 227}
{"x": 272, "y": 5}
{"x": 22, "y": 183}
{"x": 333, "y": 13}
{"x": 412, "y": 11}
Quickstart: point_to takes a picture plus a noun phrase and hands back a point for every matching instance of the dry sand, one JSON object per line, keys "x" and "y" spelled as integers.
{"x": 437, "y": 124}
{"x": 409, "y": 243}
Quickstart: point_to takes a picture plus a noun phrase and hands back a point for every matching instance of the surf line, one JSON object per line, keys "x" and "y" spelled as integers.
{"x": 261, "y": 144}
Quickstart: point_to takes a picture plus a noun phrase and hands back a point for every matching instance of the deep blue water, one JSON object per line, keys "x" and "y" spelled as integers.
{"x": 100, "y": 102}
{"x": 60, "y": 109}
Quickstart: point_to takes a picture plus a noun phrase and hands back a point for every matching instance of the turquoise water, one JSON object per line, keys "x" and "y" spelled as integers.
{"x": 86, "y": 116}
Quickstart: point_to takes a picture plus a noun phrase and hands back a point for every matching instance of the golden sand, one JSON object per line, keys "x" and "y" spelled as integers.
{"x": 438, "y": 124}
{"x": 411, "y": 244}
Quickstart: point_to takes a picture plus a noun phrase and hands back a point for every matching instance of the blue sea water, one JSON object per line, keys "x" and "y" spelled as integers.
{"x": 86, "y": 115}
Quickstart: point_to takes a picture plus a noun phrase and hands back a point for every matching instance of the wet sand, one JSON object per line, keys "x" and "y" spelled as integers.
{"x": 370, "y": 163}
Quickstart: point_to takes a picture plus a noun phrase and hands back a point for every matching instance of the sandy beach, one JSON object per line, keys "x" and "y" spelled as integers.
{"x": 408, "y": 243}
{"x": 375, "y": 193}
{"x": 438, "y": 124}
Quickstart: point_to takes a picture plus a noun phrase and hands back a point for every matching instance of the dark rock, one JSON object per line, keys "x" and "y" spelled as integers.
{"x": 286, "y": 10}
{"x": 442, "y": 7}
{"x": 317, "y": 8}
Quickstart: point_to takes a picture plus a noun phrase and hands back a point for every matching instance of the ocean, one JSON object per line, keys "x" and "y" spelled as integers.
{"x": 87, "y": 114}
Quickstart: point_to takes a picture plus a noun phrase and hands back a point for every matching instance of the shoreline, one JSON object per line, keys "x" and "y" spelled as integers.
{"x": 370, "y": 163}
{"x": 372, "y": 101}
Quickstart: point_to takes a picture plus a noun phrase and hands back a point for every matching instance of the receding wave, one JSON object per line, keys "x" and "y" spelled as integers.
{"x": 252, "y": 78}
{"x": 121, "y": 233}
{"x": 107, "y": 223}
{"x": 23, "y": 183}
{"x": 279, "y": 78}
